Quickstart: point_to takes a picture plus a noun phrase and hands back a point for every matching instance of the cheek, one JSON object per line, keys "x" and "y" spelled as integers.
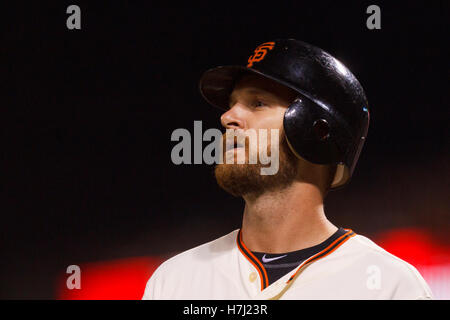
{"x": 271, "y": 119}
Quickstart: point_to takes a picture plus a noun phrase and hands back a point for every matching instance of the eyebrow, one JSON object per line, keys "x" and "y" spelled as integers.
{"x": 253, "y": 90}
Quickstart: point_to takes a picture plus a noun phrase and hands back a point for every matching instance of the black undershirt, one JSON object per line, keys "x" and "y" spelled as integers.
{"x": 277, "y": 268}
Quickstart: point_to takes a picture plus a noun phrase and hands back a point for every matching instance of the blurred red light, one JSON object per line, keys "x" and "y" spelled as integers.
{"x": 415, "y": 246}
{"x": 123, "y": 279}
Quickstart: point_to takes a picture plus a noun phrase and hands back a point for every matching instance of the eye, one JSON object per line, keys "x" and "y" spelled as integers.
{"x": 258, "y": 103}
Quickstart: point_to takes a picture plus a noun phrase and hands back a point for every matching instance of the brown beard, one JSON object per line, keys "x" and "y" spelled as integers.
{"x": 247, "y": 180}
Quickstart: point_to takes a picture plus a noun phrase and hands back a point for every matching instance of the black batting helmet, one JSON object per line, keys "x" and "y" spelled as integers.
{"x": 327, "y": 123}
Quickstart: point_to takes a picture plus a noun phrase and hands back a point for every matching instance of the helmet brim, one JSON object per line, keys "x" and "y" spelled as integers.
{"x": 216, "y": 84}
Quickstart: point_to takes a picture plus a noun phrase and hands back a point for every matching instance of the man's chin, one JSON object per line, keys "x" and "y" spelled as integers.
{"x": 235, "y": 179}
{"x": 246, "y": 179}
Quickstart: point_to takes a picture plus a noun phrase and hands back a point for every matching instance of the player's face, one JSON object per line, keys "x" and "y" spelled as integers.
{"x": 257, "y": 103}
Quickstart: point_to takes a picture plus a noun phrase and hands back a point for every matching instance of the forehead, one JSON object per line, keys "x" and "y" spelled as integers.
{"x": 258, "y": 84}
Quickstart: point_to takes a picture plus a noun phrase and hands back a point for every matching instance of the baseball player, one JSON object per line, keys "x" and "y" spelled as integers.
{"x": 286, "y": 247}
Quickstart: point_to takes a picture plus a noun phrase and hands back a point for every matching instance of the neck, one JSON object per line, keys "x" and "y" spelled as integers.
{"x": 285, "y": 220}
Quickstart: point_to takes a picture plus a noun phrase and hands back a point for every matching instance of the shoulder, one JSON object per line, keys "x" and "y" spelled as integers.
{"x": 186, "y": 265}
{"x": 402, "y": 280}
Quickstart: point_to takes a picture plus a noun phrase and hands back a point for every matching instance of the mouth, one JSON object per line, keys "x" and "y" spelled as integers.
{"x": 233, "y": 145}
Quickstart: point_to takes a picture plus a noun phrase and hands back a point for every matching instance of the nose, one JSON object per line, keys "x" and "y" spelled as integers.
{"x": 233, "y": 118}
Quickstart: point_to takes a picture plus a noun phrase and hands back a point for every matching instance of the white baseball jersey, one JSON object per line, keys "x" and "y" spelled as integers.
{"x": 351, "y": 267}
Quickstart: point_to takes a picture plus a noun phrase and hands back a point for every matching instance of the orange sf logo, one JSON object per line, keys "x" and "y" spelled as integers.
{"x": 260, "y": 53}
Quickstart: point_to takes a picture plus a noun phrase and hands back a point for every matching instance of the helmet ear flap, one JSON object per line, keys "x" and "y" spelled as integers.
{"x": 313, "y": 133}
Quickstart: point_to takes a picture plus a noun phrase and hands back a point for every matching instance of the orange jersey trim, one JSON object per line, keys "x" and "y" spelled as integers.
{"x": 332, "y": 247}
{"x": 262, "y": 271}
{"x": 254, "y": 261}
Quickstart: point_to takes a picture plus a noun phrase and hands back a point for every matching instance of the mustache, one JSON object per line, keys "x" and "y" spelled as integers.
{"x": 238, "y": 138}
{"x": 260, "y": 147}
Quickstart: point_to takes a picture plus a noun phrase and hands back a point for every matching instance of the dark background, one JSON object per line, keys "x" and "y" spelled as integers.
{"x": 87, "y": 115}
